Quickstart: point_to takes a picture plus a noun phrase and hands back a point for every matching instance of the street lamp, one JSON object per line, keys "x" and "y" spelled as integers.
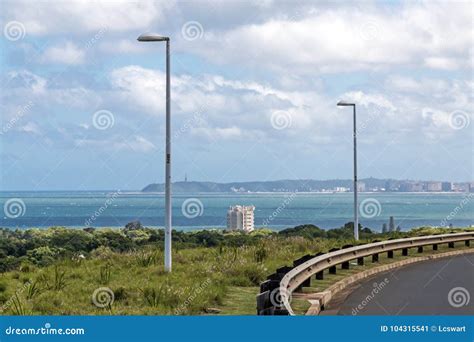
{"x": 356, "y": 209}
{"x": 153, "y": 37}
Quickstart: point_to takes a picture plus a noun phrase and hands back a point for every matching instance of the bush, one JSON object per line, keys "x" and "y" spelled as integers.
{"x": 9, "y": 263}
{"x": 103, "y": 253}
{"x": 120, "y": 293}
{"x": 44, "y": 256}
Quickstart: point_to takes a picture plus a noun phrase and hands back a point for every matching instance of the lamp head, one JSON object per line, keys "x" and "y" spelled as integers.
{"x": 152, "y": 37}
{"x": 345, "y": 103}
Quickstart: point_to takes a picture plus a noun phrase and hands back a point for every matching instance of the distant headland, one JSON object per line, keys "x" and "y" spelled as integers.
{"x": 311, "y": 185}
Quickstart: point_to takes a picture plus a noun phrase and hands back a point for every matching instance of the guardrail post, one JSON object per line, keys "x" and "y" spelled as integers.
{"x": 390, "y": 254}
{"x": 467, "y": 243}
{"x": 405, "y": 251}
{"x": 281, "y": 312}
{"x": 451, "y": 244}
{"x": 320, "y": 274}
{"x": 360, "y": 261}
{"x": 267, "y": 312}
{"x": 284, "y": 270}
{"x": 435, "y": 246}
{"x": 269, "y": 285}
{"x": 332, "y": 269}
{"x": 300, "y": 261}
{"x": 420, "y": 249}
{"x": 264, "y": 305}
{"x": 345, "y": 264}
{"x": 375, "y": 257}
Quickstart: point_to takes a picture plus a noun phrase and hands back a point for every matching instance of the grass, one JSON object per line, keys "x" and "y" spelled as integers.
{"x": 222, "y": 279}
{"x": 202, "y": 278}
{"x": 240, "y": 301}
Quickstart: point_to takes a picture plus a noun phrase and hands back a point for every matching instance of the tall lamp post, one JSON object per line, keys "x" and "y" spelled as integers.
{"x": 153, "y": 37}
{"x": 356, "y": 209}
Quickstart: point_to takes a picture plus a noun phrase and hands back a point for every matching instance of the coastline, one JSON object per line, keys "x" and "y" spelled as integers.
{"x": 219, "y": 228}
{"x": 138, "y": 192}
{"x": 274, "y": 210}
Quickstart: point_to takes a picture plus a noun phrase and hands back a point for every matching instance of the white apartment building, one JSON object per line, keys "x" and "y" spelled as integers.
{"x": 240, "y": 218}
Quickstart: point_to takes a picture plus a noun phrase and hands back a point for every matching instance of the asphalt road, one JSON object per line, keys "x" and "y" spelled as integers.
{"x": 439, "y": 287}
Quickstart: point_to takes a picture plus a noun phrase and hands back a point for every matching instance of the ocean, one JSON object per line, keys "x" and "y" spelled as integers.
{"x": 208, "y": 210}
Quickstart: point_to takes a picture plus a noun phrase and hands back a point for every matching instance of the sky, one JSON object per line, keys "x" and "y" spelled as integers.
{"x": 254, "y": 87}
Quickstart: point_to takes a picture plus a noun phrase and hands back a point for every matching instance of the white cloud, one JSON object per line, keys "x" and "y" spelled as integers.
{"x": 82, "y": 16}
{"x": 369, "y": 99}
{"x": 137, "y": 143}
{"x": 308, "y": 37}
{"x": 345, "y": 39}
{"x": 67, "y": 53}
{"x": 225, "y": 102}
{"x": 25, "y": 79}
{"x": 30, "y": 127}
{"x": 442, "y": 63}
{"x": 242, "y": 110}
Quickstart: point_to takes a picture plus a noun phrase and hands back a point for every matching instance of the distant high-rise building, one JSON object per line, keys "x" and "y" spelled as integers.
{"x": 391, "y": 185}
{"x": 417, "y": 187}
{"x": 185, "y": 177}
{"x": 240, "y": 218}
{"x": 433, "y": 186}
{"x": 384, "y": 228}
{"x": 461, "y": 187}
{"x": 391, "y": 224}
{"x": 360, "y": 186}
{"x": 446, "y": 186}
{"x": 411, "y": 186}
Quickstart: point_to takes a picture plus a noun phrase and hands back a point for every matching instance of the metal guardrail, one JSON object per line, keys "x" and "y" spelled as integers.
{"x": 278, "y": 288}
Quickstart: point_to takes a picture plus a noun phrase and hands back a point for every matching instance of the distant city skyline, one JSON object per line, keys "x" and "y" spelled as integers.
{"x": 254, "y": 90}
{"x": 313, "y": 185}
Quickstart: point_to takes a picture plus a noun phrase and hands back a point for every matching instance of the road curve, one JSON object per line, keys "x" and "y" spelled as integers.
{"x": 437, "y": 287}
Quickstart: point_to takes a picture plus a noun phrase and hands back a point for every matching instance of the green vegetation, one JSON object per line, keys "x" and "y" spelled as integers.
{"x": 61, "y": 271}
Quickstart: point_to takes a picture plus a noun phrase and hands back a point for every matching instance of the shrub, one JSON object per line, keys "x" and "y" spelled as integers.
{"x": 102, "y": 252}
{"x": 120, "y": 293}
{"x": 9, "y": 263}
{"x": 260, "y": 254}
{"x": 44, "y": 256}
{"x": 26, "y": 266}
